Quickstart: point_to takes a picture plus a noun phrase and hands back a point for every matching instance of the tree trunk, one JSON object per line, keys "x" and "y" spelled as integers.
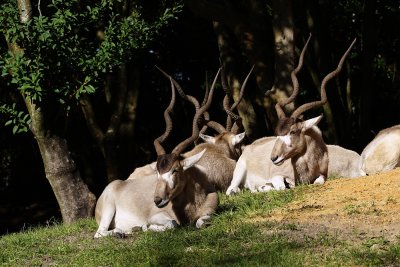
{"x": 282, "y": 25}
{"x": 72, "y": 194}
{"x": 231, "y": 59}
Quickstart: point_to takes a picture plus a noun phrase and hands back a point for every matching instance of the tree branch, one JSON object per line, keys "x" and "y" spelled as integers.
{"x": 90, "y": 117}
{"x": 119, "y": 103}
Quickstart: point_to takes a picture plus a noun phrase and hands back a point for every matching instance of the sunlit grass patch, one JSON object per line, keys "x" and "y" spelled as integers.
{"x": 239, "y": 236}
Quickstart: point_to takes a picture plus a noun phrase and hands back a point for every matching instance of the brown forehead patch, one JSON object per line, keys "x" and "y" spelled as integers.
{"x": 165, "y": 162}
{"x": 283, "y": 126}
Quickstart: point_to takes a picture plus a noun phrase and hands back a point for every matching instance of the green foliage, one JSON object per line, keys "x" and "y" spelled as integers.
{"x": 65, "y": 52}
{"x": 18, "y": 119}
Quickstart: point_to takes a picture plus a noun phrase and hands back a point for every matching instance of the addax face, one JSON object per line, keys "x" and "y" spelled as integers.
{"x": 171, "y": 176}
{"x": 168, "y": 169}
{"x": 288, "y": 144}
{"x": 290, "y": 140}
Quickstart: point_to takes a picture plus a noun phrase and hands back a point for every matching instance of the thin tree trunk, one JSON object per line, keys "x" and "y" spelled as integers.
{"x": 317, "y": 23}
{"x": 128, "y": 123}
{"x": 107, "y": 140}
{"x": 72, "y": 194}
{"x": 370, "y": 36}
{"x": 282, "y": 25}
{"x": 230, "y": 56}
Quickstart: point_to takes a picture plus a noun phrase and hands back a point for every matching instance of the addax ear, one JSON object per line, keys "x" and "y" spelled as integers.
{"x": 238, "y": 138}
{"x": 311, "y": 122}
{"x": 207, "y": 138}
{"x": 190, "y": 161}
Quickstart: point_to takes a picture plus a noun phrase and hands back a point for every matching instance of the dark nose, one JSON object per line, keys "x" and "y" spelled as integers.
{"x": 274, "y": 158}
{"x": 157, "y": 200}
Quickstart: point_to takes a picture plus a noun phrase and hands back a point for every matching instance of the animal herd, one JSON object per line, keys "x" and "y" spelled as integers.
{"x": 181, "y": 187}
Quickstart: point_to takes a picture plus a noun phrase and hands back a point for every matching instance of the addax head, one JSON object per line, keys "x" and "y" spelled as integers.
{"x": 170, "y": 172}
{"x": 290, "y": 139}
{"x": 171, "y": 167}
{"x": 290, "y": 131}
{"x": 229, "y": 142}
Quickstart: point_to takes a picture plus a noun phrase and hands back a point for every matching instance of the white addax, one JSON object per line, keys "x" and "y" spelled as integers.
{"x": 256, "y": 172}
{"x": 178, "y": 194}
{"x": 299, "y": 141}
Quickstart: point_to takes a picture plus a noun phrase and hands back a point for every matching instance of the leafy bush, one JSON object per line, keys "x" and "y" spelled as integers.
{"x": 65, "y": 51}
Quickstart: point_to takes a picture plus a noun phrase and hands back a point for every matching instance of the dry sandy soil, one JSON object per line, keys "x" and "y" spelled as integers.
{"x": 356, "y": 209}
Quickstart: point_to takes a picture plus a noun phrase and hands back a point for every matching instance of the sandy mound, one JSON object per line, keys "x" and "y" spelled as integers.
{"x": 359, "y": 208}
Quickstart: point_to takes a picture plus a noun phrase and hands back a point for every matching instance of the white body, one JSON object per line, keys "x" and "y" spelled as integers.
{"x": 383, "y": 152}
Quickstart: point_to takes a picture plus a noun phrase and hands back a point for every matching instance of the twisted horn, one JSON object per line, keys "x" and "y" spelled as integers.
{"x": 238, "y": 121}
{"x": 216, "y": 126}
{"x": 206, "y": 115}
{"x": 195, "y": 128}
{"x": 189, "y": 98}
{"x": 209, "y": 123}
{"x": 225, "y": 102}
{"x": 328, "y": 77}
{"x": 241, "y": 93}
{"x": 168, "y": 123}
{"x": 279, "y": 106}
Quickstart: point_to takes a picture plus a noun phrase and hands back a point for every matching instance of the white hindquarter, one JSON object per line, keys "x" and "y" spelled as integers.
{"x": 383, "y": 152}
{"x": 129, "y": 205}
{"x": 255, "y": 171}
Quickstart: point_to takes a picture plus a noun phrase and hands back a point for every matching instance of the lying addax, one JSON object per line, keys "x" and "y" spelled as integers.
{"x": 178, "y": 194}
{"x": 297, "y": 140}
{"x": 382, "y": 153}
{"x": 221, "y": 151}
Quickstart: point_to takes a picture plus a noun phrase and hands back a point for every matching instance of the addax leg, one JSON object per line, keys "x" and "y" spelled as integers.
{"x": 161, "y": 222}
{"x": 238, "y": 177}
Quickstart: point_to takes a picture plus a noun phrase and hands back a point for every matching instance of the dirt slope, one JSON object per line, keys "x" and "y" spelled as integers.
{"x": 359, "y": 208}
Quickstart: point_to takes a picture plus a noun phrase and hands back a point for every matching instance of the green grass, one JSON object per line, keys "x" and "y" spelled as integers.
{"x": 237, "y": 237}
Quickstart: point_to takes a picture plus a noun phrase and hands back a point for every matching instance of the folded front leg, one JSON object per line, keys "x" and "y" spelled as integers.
{"x": 161, "y": 222}
{"x": 208, "y": 207}
{"x": 275, "y": 183}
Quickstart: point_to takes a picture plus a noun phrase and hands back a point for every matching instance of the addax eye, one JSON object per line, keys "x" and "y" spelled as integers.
{"x": 292, "y": 132}
{"x": 174, "y": 171}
